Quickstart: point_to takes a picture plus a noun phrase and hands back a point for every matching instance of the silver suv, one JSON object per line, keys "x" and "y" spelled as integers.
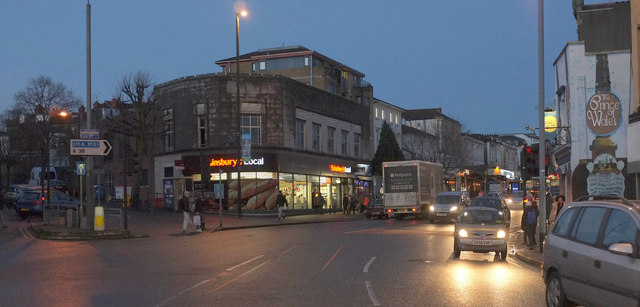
{"x": 592, "y": 255}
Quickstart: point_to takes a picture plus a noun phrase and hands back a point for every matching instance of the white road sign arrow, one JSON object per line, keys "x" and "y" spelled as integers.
{"x": 85, "y": 147}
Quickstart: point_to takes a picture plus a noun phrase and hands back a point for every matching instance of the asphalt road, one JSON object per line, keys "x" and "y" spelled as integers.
{"x": 362, "y": 263}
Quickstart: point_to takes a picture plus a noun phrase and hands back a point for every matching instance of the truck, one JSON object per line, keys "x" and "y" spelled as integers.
{"x": 410, "y": 187}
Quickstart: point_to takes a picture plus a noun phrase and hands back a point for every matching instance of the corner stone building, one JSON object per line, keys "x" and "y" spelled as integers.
{"x": 304, "y": 141}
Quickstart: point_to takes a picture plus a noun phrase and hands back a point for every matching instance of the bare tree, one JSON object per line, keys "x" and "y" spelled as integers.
{"x": 39, "y": 104}
{"x": 450, "y": 150}
{"x": 138, "y": 120}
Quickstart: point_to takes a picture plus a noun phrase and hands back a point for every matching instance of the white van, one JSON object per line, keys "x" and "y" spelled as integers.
{"x": 36, "y": 172}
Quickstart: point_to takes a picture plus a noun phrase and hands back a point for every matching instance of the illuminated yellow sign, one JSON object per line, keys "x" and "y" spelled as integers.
{"x": 550, "y": 122}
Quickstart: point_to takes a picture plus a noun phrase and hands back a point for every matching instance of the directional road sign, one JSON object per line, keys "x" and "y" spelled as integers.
{"x": 84, "y": 147}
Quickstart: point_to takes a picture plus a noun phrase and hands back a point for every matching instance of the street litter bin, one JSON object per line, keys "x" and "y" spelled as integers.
{"x": 98, "y": 224}
{"x": 69, "y": 218}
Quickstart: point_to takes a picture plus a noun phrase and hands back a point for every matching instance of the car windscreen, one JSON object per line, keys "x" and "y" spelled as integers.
{"x": 487, "y": 202}
{"x": 29, "y": 196}
{"x": 480, "y": 217}
{"x": 447, "y": 199}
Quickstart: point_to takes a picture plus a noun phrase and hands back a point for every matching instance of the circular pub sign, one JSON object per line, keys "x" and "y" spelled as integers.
{"x": 604, "y": 112}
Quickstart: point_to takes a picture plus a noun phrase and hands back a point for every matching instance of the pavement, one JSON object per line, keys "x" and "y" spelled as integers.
{"x": 162, "y": 222}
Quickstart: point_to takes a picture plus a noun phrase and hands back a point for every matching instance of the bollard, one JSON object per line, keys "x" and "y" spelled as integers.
{"x": 98, "y": 224}
{"x": 69, "y": 218}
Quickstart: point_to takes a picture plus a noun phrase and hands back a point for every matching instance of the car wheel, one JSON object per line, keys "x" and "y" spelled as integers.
{"x": 368, "y": 215}
{"x": 555, "y": 292}
{"x": 503, "y": 254}
{"x": 400, "y": 217}
{"x": 432, "y": 221}
{"x": 380, "y": 216}
{"x": 456, "y": 249}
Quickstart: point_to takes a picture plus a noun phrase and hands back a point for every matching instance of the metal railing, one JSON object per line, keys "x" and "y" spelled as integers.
{"x": 60, "y": 215}
{"x": 113, "y": 219}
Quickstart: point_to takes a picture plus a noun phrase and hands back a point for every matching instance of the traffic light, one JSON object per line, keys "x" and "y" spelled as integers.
{"x": 531, "y": 163}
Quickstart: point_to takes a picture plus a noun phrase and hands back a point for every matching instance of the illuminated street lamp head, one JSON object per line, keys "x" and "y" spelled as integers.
{"x": 241, "y": 8}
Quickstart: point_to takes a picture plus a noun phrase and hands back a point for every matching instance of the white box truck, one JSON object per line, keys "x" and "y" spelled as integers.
{"x": 410, "y": 187}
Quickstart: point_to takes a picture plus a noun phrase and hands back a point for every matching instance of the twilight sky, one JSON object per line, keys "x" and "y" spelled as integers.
{"x": 477, "y": 60}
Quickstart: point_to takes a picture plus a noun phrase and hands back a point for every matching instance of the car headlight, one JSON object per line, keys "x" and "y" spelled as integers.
{"x": 432, "y": 208}
{"x": 453, "y": 208}
{"x": 509, "y": 200}
{"x": 501, "y": 213}
{"x": 501, "y": 234}
{"x": 463, "y": 233}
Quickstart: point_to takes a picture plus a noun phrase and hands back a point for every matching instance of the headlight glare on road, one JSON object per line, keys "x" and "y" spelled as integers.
{"x": 463, "y": 233}
{"x": 453, "y": 208}
{"x": 501, "y": 234}
{"x": 432, "y": 208}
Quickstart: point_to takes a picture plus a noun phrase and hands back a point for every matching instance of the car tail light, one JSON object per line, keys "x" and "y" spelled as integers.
{"x": 389, "y": 210}
{"x": 414, "y": 209}
{"x": 525, "y": 201}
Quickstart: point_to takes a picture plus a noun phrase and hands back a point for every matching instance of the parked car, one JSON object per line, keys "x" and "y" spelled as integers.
{"x": 11, "y": 194}
{"x": 375, "y": 208}
{"x": 447, "y": 205}
{"x": 592, "y": 254}
{"x": 480, "y": 230}
{"x": 495, "y": 203}
{"x": 30, "y": 201}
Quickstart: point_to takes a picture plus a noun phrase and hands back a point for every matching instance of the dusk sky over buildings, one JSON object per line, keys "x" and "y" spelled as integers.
{"x": 477, "y": 60}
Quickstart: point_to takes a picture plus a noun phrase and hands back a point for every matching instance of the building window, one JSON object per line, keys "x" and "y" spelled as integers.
{"x": 332, "y": 88}
{"x": 315, "y": 136}
{"x": 251, "y": 125}
{"x": 168, "y": 129}
{"x": 331, "y": 131}
{"x": 202, "y": 131}
{"x": 200, "y": 109}
{"x": 263, "y": 65}
{"x": 253, "y": 67}
{"x": 306, "y": 61}
{"x": 300, "y": 133}
{"x": 168, "y": 172}
{"x": 367, "y": 101}
{"x": 396, "y": 119}
{"x": 345, "y": 148}
{"x": 376, "y": 112}
{"x": 356, "y": 145}
{"x": 359, "y": 99}
{"x": 382, "y": 114}
{"x": 390, "y": 118}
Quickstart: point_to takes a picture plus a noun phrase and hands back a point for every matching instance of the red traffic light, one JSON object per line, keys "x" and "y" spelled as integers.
{"x": 528, "y": 149}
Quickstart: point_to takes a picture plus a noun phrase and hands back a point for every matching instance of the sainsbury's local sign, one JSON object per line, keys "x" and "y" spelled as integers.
{"x": 222, "y": 162}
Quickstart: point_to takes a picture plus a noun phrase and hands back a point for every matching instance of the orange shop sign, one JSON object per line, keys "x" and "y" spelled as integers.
{"x": 339, "y": 169}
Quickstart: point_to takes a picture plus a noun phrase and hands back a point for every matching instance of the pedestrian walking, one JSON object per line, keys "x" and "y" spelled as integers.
{"x": 529, "y": 222}
{"x": 183, "y": 204}
{"x": 345, "y": 204}
{"x": 2, "y": 220}
{"x": 281, "y": 202}
{"x": 548, "y": 204}
{"x": 199, "y": 208}
{"x": 555, "y": 209}
{"x": 353, "y": 203}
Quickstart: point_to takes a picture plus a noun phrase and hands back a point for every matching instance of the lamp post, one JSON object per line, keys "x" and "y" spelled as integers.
{"x": 541, "y": 137}
{"x": 239, "y": 12}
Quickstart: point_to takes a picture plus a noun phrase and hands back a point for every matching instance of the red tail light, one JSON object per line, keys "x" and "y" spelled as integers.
{"x": 413, "y": 209}
{"x": 525, "y": 200}
{"x": 389, "y": 210}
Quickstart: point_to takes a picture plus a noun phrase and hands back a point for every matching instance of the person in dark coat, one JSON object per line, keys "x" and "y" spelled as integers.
{"x": 345, "y": 204}
{"x": 199, "y": 204}
{"x": 529, "y": 222}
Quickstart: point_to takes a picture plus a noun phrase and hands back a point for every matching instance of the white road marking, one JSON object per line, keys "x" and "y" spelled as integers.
{"x": 243, "y": 274}
{"x": 26, "y": 234}
{"x": 241, "y": 264}
{"x": 183, "y": 292}
{"x": 361, "y": 230}
{"x": 288, "y": 250}
{"x": 372, "y": 296}
{"x": 366, "y": 266}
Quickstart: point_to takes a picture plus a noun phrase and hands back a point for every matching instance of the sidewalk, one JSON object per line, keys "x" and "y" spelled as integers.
{"x": 164, "y": 222}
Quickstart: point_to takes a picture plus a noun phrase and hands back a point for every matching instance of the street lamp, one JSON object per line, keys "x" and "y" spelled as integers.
{"x": 541, "y": 137}
{"x": 240, "y": 11}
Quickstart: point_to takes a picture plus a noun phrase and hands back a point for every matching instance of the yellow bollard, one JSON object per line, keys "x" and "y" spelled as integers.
{"x": 98, "y": 224}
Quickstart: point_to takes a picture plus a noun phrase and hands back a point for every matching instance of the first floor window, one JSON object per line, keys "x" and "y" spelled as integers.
{"x": 168, "y": 128}
{"x": 345, "y": 136}
{"x": 331, "y": 131}
{"x": 251, "y": 125}
{"x": 315, "y": 136}
{"x": 300, "y": 133}
{"x": 356, "y": 145}
{"x": 202, "y": 131}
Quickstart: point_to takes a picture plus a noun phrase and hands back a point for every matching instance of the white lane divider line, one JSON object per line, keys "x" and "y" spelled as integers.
{"x": 366, "y": 266}
{"x": 372, "y": 296}
{"x": 183, "y": 292}
{"x": 241, "y": 264}
{"x": 362, "y": 230}
{"x": 240, "y": 276}
{"x": 288, "y": 250}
